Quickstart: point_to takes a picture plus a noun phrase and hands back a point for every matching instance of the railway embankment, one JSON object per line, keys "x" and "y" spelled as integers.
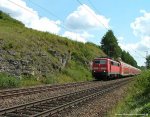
{"x": 137, "y": 101}
{"x": 29, "y": 57}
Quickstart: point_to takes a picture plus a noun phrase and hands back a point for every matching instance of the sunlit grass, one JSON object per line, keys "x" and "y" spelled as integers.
{"x": 137, "y": 101}
{"x": 33, "y": 46}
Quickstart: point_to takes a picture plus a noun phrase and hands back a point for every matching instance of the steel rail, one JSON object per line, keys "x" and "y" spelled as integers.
{"x": 33, "y": 90}
{"x": 43, "y": 107}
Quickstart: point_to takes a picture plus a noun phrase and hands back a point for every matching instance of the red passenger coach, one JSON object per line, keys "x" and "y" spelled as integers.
{"x": 105, "y": 68}
{"x": 108, "y": 68}
{"x": 128, "y": 70}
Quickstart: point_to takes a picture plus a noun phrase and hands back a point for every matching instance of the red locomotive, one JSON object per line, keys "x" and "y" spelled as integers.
{"x": 108, "y": 68}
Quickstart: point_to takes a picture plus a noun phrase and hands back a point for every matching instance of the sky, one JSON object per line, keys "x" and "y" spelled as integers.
{"x": 88, "y": 20}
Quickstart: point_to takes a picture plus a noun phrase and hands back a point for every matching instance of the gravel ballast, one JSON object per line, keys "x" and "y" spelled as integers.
{"x": 90, "y": 109}
{"x": 100, "y": 106}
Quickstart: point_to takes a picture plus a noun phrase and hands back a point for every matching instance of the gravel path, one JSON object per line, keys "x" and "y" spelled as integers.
{"x": 4, "y": 103}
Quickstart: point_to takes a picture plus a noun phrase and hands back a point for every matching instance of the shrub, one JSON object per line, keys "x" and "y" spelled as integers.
{"x": 137, "y": 100}
{"x": 7, "y": 81}
{"x": 29, "y": 81}
{"x": 50, "y": 79}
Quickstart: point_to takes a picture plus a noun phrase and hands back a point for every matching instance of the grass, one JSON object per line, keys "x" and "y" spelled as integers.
{"x": 7, "y": 81}
{"x": 137, "y": 101}
{"x": 34, "y": 47}
{"x": 78, "y": 72}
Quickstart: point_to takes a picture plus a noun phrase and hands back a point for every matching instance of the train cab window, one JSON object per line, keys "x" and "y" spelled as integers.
{"x": 100, "y": 61}
{"x": 114, "y": 63}
{"x": 111, "y": 62}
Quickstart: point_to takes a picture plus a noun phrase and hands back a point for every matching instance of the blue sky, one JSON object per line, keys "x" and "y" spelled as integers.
{"x": 88, "y": 21}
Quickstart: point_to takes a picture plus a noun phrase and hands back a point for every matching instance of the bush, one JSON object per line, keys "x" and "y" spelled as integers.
{"x": 78, "y": 72}
{"x": 29, "y": 81}
{"x": 7, "y": 81}
{"x": 50, "y": 79}
{"x": 137, "y": 100}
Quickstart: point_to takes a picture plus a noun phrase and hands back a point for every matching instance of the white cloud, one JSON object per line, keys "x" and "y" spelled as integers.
{"x": 141, "y": 29}
{"x": 82, "y": 37}
{"x": 141, "y": 24}
{"x": 135, "y": 50}
{"x": 85, "y": 18}
{"x": 120, "y": 38}
{"x": 20, "y": 11}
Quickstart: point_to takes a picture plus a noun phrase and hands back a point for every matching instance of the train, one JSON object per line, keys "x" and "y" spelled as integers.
{"x": 107, "y": 68}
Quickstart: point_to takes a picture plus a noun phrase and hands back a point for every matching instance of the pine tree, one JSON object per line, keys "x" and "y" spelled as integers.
{"x": 110, "y": 45}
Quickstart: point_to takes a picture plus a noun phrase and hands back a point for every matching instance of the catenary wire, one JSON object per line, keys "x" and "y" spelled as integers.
{"x": 92, "y": 14}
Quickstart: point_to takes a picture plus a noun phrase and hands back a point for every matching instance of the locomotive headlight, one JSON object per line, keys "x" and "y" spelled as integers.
{"x": 104, "y": 71}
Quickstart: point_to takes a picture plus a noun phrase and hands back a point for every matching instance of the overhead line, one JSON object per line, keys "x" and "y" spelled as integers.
{"x": 62, "y": 25}
{"x": 93, "y": 5}
{"x": 21, "y": 7}
{"x": 53, "y": 14}
{"x": 44, "y": 9}
{"x": 92, "y": 14}
{"x": 138, "y": 53}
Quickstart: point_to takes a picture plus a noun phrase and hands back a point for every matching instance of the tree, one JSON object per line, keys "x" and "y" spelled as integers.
{"x": 110, "y": 45}
{"x": 148, "y": 62}
{"x": 1, "y": 14}
{"x": 127, "y": 58}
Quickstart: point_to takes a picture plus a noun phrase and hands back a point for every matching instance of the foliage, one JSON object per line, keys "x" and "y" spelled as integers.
{"x": 7, "y": 81}
{"x": 137, "y": 101}
{"x": 78, "y": 72}
{"x": 127, "y": 58}
{"x": 110, "y": 45}
{"x": 26, "y": 81}
{"x": 6, "y": 18}
{"x": 1, "y": 13}
{"x": 43, "y": 52}
{"x": 148, "y": 62}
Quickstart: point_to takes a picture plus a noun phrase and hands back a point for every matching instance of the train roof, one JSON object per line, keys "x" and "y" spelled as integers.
{"x": 121, "y": 62}
{"x": 103, "y": 58}
{"x": 107, "y": 58}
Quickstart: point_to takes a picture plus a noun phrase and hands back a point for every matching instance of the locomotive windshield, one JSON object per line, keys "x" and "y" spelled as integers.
{"x": 100, "y": 61}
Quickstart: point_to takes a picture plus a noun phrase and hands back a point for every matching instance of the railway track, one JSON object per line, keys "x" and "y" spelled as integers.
{"x": 33, "y": 90}
{"x": 53, "y": 105}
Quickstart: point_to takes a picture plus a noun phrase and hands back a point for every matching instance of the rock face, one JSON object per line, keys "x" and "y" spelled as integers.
{"x": 38, "y": 63}
{"x": 63, "y": 58}
{"x": 25, "y": 51}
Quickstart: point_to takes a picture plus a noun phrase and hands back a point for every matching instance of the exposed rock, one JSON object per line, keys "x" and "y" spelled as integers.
{"x": 36, "y": 62}
{"x": 11, "y": 52}
{"x": 65, "y": 59}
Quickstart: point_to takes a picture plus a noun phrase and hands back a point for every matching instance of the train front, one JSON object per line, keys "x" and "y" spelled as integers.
{"x": 100, "y": 68}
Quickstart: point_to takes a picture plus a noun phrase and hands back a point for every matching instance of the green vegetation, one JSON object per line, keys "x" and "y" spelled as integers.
{"x": 7, "y": 81}
{"x": 148, "y": 62}
{"x": 126, "y": 57}
{"x": 138, "y": 99}
{"x": 110, "y": 46}
{"x": 40, "y": 57}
